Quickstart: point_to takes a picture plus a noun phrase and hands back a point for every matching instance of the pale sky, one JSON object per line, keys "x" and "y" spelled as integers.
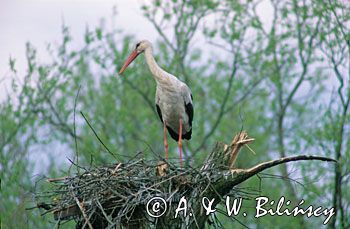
{"x": 39, "y": 21}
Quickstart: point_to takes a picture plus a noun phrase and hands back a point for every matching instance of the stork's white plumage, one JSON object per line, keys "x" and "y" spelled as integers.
{"x": 173, "y": 98}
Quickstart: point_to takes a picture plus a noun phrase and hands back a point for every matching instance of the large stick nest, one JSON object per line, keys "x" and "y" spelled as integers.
{"x": 117, "y": 195}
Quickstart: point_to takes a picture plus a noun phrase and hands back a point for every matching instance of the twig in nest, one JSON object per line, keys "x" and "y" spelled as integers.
{"x": 56, "y": 179}
{"x": 81, "y": 207}
{"x": 116, "y": 168}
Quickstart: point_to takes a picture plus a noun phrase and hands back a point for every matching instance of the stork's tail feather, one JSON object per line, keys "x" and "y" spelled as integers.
{"x": 175, "y": 135}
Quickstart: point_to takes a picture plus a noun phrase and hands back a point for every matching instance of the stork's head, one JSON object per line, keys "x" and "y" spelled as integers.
{"x": 139, "y": 48}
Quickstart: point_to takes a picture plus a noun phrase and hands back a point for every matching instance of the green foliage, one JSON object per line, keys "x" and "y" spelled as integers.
{"x": 268, "y": 80}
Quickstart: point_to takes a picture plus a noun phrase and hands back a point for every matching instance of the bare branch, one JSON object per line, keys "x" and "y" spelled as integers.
{"x": 98, "y": 138}
{"x": 160, "y": 31}
{"x": 240, "y": 175}
{"x": 305, "y": 64}
{"x": 223, "y": 104}
{"x": 341, "y": 26}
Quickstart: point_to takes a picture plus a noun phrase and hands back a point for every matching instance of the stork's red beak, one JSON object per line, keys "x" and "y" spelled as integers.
{"x": 130, "y": 59}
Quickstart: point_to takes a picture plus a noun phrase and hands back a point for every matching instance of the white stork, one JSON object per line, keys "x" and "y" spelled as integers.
{"x": 173, "y": 98}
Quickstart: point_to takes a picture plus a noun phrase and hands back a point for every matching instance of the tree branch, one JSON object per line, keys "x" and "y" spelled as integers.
{"x": 240, "y": 175}
{"x": 223, "y": 104}
{"x": 142, "y": 94}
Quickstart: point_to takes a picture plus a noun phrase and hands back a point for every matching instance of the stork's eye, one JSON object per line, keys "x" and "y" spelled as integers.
{"x": 137, "y": 45}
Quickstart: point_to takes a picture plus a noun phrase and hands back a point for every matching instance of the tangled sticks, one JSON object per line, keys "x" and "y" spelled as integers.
{"x": 117, "y": 195}
{"x": 114, "y": 195}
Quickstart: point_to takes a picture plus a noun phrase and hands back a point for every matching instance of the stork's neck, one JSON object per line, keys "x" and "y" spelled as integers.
{"x": 158, "y": 73}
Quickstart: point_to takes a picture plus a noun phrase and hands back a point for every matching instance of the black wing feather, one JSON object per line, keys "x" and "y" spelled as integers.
{"x": 189, "y": 112}
{"x": 159, "y": 113}
{"x": 173, "y": 134}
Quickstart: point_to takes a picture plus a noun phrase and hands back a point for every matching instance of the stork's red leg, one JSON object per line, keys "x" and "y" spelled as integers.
{"x": 166, "y": 146}
{"x": 180, "y": 142}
